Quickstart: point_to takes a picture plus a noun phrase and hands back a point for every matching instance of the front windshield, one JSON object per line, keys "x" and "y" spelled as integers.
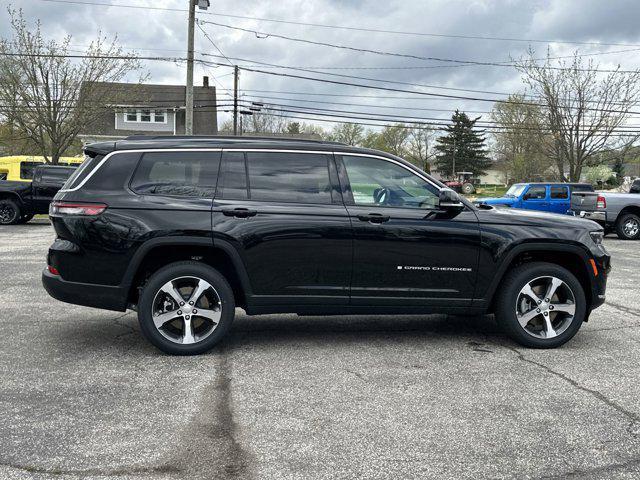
{"x": 515, "y": 190}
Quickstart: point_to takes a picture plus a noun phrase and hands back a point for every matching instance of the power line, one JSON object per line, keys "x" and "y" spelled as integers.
{"x": 262, "y": 35}
{"x": 359, "y": 29}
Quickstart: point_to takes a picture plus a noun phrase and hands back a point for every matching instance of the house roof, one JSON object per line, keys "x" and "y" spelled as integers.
{"x": 151, "y": 95}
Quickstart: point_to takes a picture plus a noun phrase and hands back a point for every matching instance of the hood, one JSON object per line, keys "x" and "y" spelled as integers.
{"x": 496, "y": 200}
{"x": 516, "y": 216}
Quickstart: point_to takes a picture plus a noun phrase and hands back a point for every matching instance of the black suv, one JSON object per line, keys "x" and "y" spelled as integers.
{"x": 186, "y": 229}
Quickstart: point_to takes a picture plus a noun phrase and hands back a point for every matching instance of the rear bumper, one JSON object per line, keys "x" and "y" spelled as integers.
{"x": 597, "y": 216}
{"x": 85, "y": 294}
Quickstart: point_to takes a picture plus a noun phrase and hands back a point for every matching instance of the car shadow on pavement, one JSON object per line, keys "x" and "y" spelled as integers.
{"x": 261, "y": 330}
{"x": 123, "y": 335}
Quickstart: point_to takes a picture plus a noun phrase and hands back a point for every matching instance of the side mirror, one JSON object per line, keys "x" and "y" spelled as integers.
{"x": 450, "y": 200}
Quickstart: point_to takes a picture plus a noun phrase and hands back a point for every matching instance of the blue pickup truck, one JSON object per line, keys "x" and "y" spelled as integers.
{"x": 546, "y": 197}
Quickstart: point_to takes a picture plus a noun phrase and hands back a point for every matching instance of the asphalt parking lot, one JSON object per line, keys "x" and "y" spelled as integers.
{"x": 83, "y": 395}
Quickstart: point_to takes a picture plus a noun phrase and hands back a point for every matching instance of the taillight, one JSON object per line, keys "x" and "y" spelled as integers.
{"x": 53, "y": 270}
{"x": 601, "y": 202}
{"x": 82, "y": 209}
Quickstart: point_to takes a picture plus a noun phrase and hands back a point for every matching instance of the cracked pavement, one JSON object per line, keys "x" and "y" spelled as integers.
{"x": 82, "y": 395}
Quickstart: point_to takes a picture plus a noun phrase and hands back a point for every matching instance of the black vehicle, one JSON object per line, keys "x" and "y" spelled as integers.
{"x": 635, "y": 186}
{"x": 20, "y": 201}
{"x": 186, "y": 229}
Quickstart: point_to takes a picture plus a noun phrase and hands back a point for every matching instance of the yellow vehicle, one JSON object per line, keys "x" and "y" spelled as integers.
{"x": 19, "y": 168}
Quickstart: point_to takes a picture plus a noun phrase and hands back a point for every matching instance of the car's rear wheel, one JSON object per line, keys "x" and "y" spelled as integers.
{"x": 186, "y": 308}
{"x": 628, "y": 226}
{"x": 541, "y": 305}
{"x": 9, "y": 212}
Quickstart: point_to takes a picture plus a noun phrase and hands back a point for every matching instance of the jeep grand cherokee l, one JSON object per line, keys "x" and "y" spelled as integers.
{"x": 186, "y": 229}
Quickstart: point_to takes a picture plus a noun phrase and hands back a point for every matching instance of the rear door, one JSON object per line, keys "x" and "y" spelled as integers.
{"x": 559, "y": 199}
{"x": 282, "y": 211}
{"x": 536, "y": 198}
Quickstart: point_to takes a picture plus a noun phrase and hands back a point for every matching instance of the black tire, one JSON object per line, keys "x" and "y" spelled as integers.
{"x": 468, "y": 188}
{"x": 24, "y": 219}
{"x": 623, "y": 224}
{"x": 509, "y": 293}
{"x": 185, "y": 269}
{"x": 9, "y": 212}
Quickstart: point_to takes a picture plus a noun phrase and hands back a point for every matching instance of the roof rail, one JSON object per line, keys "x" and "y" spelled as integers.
{"x": 232, "y": 138}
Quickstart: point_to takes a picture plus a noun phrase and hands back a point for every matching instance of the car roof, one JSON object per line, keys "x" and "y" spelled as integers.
{"x": 554, "y": 183}
{"x": 214, "y": 141}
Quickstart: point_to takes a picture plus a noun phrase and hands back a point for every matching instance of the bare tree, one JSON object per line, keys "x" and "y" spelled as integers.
{"x": 520, "y": 142}
{"x": 419, "y": 143}
{"x": 584, "y": 107}
{"x": 47, "y": 96}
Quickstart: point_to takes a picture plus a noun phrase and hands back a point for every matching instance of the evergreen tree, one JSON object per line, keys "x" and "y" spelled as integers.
{"x": 462, "y": 148}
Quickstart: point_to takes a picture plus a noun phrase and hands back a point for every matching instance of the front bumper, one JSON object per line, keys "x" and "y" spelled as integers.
{"x": 86, "y": 294}
{"x": 602, "y": 261}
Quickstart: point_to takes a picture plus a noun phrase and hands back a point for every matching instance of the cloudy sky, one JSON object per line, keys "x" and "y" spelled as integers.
{"x": 608, "y": 29}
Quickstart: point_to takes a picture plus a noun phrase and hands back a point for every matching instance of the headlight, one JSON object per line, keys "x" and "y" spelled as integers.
{"x": 597, "y": 236}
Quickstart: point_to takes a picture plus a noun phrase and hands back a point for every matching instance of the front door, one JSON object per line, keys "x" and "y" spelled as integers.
{"x": 283, "y": 212}
{"x": 535, "y": 198}
{"x": 406, "y": 251}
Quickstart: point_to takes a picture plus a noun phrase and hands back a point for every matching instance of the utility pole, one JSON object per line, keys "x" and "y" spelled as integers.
{"x": 235, "y": 100}
{"x": 188, "y": 118}
{"x": 453, "y": 168}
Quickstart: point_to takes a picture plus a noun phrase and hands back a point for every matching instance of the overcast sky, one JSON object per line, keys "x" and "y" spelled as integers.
{"x": 163, "y": 33}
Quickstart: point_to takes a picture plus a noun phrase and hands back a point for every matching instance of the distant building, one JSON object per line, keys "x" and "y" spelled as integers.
{"x": 153, "y": 109}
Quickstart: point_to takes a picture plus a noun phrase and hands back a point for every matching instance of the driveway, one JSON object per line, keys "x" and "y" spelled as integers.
{"x": 286, "y": 397}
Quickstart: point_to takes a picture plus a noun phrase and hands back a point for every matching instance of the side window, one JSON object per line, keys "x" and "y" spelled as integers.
{"x": 233, "y": 177}
{"x": 559, "y": 192}
{"x": 184, "y": 174}
{"x": 289, "y": 177}
{"x": 54, "y": 177}
{"x": 537, "y": 192}
{"x": 382, "y": 183}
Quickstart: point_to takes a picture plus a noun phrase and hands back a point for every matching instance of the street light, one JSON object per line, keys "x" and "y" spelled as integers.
{"x": 188, "y": 121}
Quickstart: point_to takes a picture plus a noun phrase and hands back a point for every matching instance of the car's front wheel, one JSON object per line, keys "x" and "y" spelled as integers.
{"x": 186, "y": 308}
{"x": 628, "y": 226}
{"x": 541, "y": 305}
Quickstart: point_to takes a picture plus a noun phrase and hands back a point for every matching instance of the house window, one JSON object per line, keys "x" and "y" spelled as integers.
{"x": 145, "y": 116}
{"x": 131, "y": 115}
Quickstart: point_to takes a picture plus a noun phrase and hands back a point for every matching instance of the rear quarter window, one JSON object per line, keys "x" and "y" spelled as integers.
{"x": 83, "y": 171}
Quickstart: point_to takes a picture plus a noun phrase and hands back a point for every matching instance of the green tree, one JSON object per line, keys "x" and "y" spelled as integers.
{"x": 520, "y": 142}
{"x": 392, "y": 139}
{"x": 462, "y": 148}
{"x": 349, "y": 133}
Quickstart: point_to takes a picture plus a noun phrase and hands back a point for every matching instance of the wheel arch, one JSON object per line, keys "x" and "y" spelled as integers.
{"x": 572, "y": 257}
{"x": 12, "y": 196}
{"x": 157, "y": 253}
{"x": 635, "y": 209}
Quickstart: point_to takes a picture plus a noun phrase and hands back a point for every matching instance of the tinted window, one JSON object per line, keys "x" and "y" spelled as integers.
{"x": 27, "y": 168}
{"x": 380, "y": 182}
{"x": 233, "y": 177}
{"x": 82, "y": 171}
{"x": 536, "y": 193}
{"x": 55, "y": 176}
{"x": 289, "y": 177}
{"x": 559, "y": 192}
{"x": 185, "y": 174}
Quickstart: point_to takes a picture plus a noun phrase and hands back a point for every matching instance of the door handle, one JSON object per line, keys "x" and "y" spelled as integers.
{"x": 374, "y": 218}
{"x": 238, "y": 212}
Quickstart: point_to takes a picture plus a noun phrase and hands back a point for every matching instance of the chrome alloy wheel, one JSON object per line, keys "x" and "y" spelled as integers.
{"x": 545, "y": 307}
{"x": 631, "y": 227}
{"x": 186, "y": 310}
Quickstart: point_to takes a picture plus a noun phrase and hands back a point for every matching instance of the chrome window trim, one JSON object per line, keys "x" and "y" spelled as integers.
{"x": 227, "y": 149}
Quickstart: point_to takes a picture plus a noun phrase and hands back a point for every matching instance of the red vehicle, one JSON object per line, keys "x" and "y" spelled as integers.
{"x": 465, "y": 183}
